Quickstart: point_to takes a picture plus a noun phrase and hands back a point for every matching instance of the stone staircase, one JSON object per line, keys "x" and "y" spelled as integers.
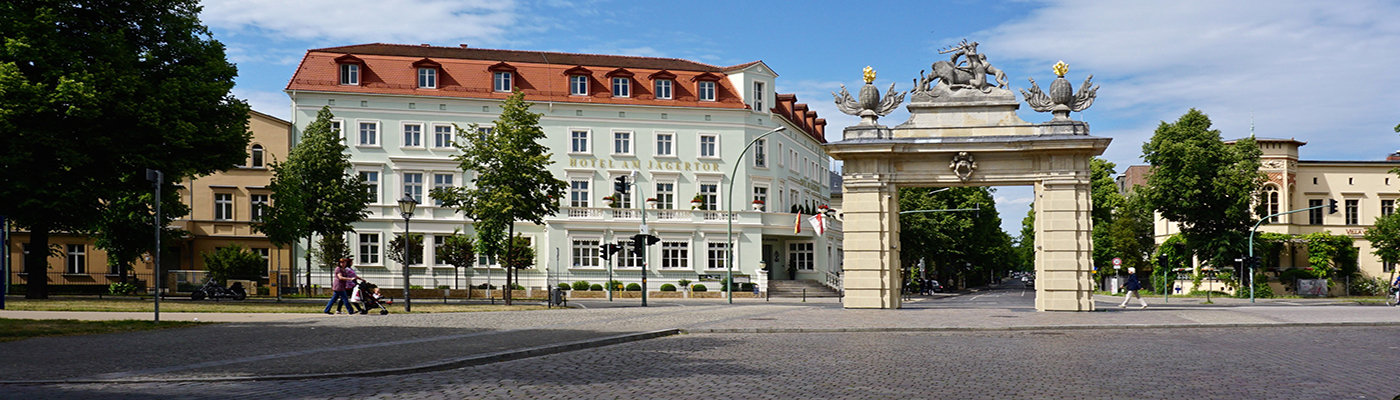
{"x": 789, "y": 288}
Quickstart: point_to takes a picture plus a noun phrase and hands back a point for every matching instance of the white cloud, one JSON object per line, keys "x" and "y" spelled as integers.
{"x": 363, "y": 21}
{"x": 271, "y": 103}
{"x": 1311, "y": 70}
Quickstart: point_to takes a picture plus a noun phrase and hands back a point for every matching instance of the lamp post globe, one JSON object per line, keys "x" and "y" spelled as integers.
{"x": 406, "y": 206}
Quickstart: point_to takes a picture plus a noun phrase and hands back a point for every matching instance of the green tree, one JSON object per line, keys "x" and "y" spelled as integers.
{"x": 512, "y": 183}
{"x": 415, "y": 249}
{"x": 1203, "y": 185}
{"x": 965, "y": 246}
{"x": 234, "y": 262}
{"x": 1130, "y": 234}
{"x": 458, "y": 251}
{"x": 333, "y": 248}
{"x": 314, "y": 191}
{"x": 1385, "y": 239}
{"x": 1025, "y": 244}
{"x": 1105, "y": 202}
{"x": 124, "y": 229}
{"x": 93, "y": 93}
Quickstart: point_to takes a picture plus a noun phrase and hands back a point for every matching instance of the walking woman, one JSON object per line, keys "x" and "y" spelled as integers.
{"x": 1131, "y": 288}
{"x": 342, "y": 279}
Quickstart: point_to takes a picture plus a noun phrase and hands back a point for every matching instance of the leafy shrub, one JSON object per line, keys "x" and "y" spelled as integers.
{"x": 583, "y": 285}
{"x": 615, "y": 284}
{"x": 685, "y": 283}
{"x": 746, "y": 287}
{"x": 698, "y": 288}
{"x": 233, "y": 262}
{"x": 564, "y": 286}
{"x": 597, "y": 287}
{"x": 444, "y": 287}
{"x": 516, "y": 286}
{"x": 120, "y": 288}
{"x": 1362, "y": 286}
{"x": 668, "y": 287}
{"x": 485, "y": 286}
{"x": 633, "y": 287}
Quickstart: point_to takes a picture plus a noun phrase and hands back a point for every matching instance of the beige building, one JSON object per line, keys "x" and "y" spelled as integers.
{"x": 1364, "y": 190}
{"x": 222, "y": 207}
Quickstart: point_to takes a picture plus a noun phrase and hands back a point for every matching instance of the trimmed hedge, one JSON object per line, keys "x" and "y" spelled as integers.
{"x": 564, "y": 286}
{"x": 583, "y": 285}
{"x": 597, "y": 287}
{"x": 698, "y": 288}
{"x": 668, "y": 287}
{"x": 633, "y": 287}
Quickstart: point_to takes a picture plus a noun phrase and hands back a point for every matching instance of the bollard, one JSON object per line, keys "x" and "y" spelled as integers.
{"x": 804, "y": 295}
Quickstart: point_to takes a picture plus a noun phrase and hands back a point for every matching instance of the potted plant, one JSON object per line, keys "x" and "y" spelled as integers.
{"x": 651, "y": 202}
{"x": 758, "y": 205}
{"x": 821, "y": 208}
{"x": 696, "y": 202}
{"x": 612, "y": 200}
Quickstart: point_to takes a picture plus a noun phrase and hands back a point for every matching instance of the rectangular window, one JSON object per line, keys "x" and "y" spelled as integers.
{"x": 622, "y": 87}
{"x": 502, "y": 81}
{"x": 709, "y": 195}
{"x": 369, "y": 248}
{"x": 336, "y": 129}
{"x": 1353, "y": 212}
{"x": 438, "y": 240}
{"x": 413, "y": 185}
{"x": 715, "y": 255}
{"x": 709, "y": 146}
{"x": 578, "y": 142}
{"x": 263, "y": 253}
{"x": 578, "y": 85}
{"x": 675, "y": 254}
{"x": 706, "y": 91}
{"x": 371, "y": 179}
{"x": 486, "y": 261}
{"x": 369, "y": 133}
{"x": 1387, "y": 207}
{"x": 758, "y": 96}
{"x": 665, "y": 144}
{"x": 627, "y": 259}
{"x": 760, "y": 153}
{"x": 412, "y": 135}
{"x": 663, "y": 89}
{"x": 427, "y": 78}
{"x": 349, "y": 74}
{"x": 666, "y": 195}
{"x": 760, "y": 193}
{"x": 441, "y": 181}
{"x": 801, "y": 255}
{"x": 77, "y": 259}
{"x": 223, "y": 206}
{"x": 622, "y": 142}
{"x": 578, "y": 193}
{"x": 442, "y": 136}
{"x": 257, "y": 206}
{"x": 1315, "y": 215}
{"x": 585, "y": 254}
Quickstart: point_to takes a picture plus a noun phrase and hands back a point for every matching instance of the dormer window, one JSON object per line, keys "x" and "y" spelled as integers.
{"x": 578, "y": 85}
{"x": 427, "y": 78}
{"x": 502, "y": 81}
{"x": 663, "y": 84}
{"x": 663, "y": 89}
{"x": 349, "y": 74}
{"x": 622, "y": 87}
{"x": 705, "y": 90}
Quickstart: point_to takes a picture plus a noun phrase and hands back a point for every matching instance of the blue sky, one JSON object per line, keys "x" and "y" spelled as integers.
{"x": 1320, "y": 72}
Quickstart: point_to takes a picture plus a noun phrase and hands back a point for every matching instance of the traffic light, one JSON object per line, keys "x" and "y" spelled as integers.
{"x": 620, "y": 185}
{"x": 1162, "y": 260}
{"x": 640, "y": 242}
{"x": 605, "y": 251}
{"x": 1331, "y": 206}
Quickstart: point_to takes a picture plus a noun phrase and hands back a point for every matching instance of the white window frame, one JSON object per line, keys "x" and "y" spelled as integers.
{"x": 502, "y": 81}
{"x": 667, "y": 147}
{"x": 438, "y": 241}
{"x": 581, "y": 198}
{"x": 760, "y": 196}
{"x": 427, "y": 78}
{"x": 705, "y": 90}
{"x": 781, "y": 163}
{"x": 76, "y": 262}
{"x": 758, "y": 96}
{"x": 369, "y": 252}
{"x": 439, "y": 183}
{"x": 1351, "y": 209}
{"x": 621, "y": 86}
{"x": 415, "y": 142}
{"x": 444, "y": 140}
{"x": 665, "y": 200}
{"x": 710, "y": 202}
{"x": 372, "y": 138}
{"x": 587, "y": 141}
{"x": 712, "y": 249}
{"x": 626, "y": 259}
{"x": 807, "y": 263}
{"x": 700, "y": 145}
{"x": 663, "y": 88}
{"x": 223, "y": 206}
{"x": 414, "y": 189}
{"x": 349, "y": 74}
{"x": 257, "y": 205}
{"x": 760, "y": 153}
{"x": 675, "y": 254}
{"x": 622, "y": 143}
{"x": 373, "y": 188}
{"x": 578, "y": 85}
{"x": 584, "y": 253}
{"x": 338, "y": 127}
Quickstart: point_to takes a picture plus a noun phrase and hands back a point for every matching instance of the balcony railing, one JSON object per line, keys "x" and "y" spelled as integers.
{"x": 694, "y": 216}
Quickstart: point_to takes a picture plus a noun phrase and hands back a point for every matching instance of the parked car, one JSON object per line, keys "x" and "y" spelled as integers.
{"x": 1029, "y": 281}
{"x": 935, "y": 286}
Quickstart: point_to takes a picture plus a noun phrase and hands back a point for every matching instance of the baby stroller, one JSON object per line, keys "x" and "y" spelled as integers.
{"x": 367, "y": 296}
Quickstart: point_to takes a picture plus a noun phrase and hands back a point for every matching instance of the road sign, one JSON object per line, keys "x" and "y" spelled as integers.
{"x": 1117, "y": 261}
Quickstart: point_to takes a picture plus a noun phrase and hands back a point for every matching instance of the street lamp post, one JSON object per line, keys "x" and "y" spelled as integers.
{"x": 1332, "y": 204}
{"x": 406, "y": 206}
{"x": 729, "y": 212}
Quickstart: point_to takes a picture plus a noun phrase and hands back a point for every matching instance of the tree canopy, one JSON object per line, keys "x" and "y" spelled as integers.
{"x": 957, "y": 244}
{"x": 1385, "y": 238}
{"x": 93, "y": 93}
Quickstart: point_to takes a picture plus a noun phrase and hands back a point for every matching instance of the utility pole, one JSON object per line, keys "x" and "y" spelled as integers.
{"x": 157, "y": 178}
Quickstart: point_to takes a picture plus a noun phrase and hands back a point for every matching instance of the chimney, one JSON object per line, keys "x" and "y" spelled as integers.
{"x": 425, "y": 45}
{"x": 462, "y": 45}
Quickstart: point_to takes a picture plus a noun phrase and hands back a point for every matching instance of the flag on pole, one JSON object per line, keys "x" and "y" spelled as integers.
{"x": 818, "y": 224}
{"x": 797, "y": 224}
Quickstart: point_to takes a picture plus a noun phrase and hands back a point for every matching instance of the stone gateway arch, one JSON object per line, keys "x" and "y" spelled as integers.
{"x": 963, "y": 131}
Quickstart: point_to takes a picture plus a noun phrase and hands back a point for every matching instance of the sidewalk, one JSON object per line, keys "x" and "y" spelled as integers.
{"x": 299, "y": 346}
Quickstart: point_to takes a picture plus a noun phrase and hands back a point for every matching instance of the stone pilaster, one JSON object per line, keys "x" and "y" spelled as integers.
{"x": 1064, "y": 262}
{"x": 871, "y": 228}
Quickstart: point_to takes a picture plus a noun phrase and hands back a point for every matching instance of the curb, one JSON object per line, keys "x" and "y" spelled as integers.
{"x": 475, "y": 360}
{"x": 1039, "y": 328}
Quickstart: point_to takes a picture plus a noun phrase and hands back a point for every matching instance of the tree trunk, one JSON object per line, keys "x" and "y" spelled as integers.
{"x": 308, "y": 266}
{"x": 36, "y": 264}
{"x": 121, "y": 271}
{"x": 510, "y": 245}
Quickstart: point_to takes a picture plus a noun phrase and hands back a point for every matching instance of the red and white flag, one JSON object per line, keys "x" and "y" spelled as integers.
{"x": 797, "y": 224}
{"x": 818, "y": 223}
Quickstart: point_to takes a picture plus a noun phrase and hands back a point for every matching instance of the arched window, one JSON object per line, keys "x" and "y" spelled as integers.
{"x": 1271, "y": 201}
{"x": 257, "y": 156}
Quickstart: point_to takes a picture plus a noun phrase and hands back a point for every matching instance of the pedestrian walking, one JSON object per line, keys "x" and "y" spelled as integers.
{"x": 343, "y": 278}
{"x": 1131, "y": 288}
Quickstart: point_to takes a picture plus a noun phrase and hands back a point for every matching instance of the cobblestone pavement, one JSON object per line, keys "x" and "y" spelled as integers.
{"x": 1212, "y": 363}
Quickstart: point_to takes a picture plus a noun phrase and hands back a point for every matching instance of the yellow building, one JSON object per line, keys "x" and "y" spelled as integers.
{"x": 222, "y": 208}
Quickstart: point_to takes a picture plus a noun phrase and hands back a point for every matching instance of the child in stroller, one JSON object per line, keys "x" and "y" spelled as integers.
{"x": 367, "y": 296}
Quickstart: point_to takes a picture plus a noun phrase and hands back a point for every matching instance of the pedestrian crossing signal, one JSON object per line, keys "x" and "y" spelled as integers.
{"x": 1331, "y": 206}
